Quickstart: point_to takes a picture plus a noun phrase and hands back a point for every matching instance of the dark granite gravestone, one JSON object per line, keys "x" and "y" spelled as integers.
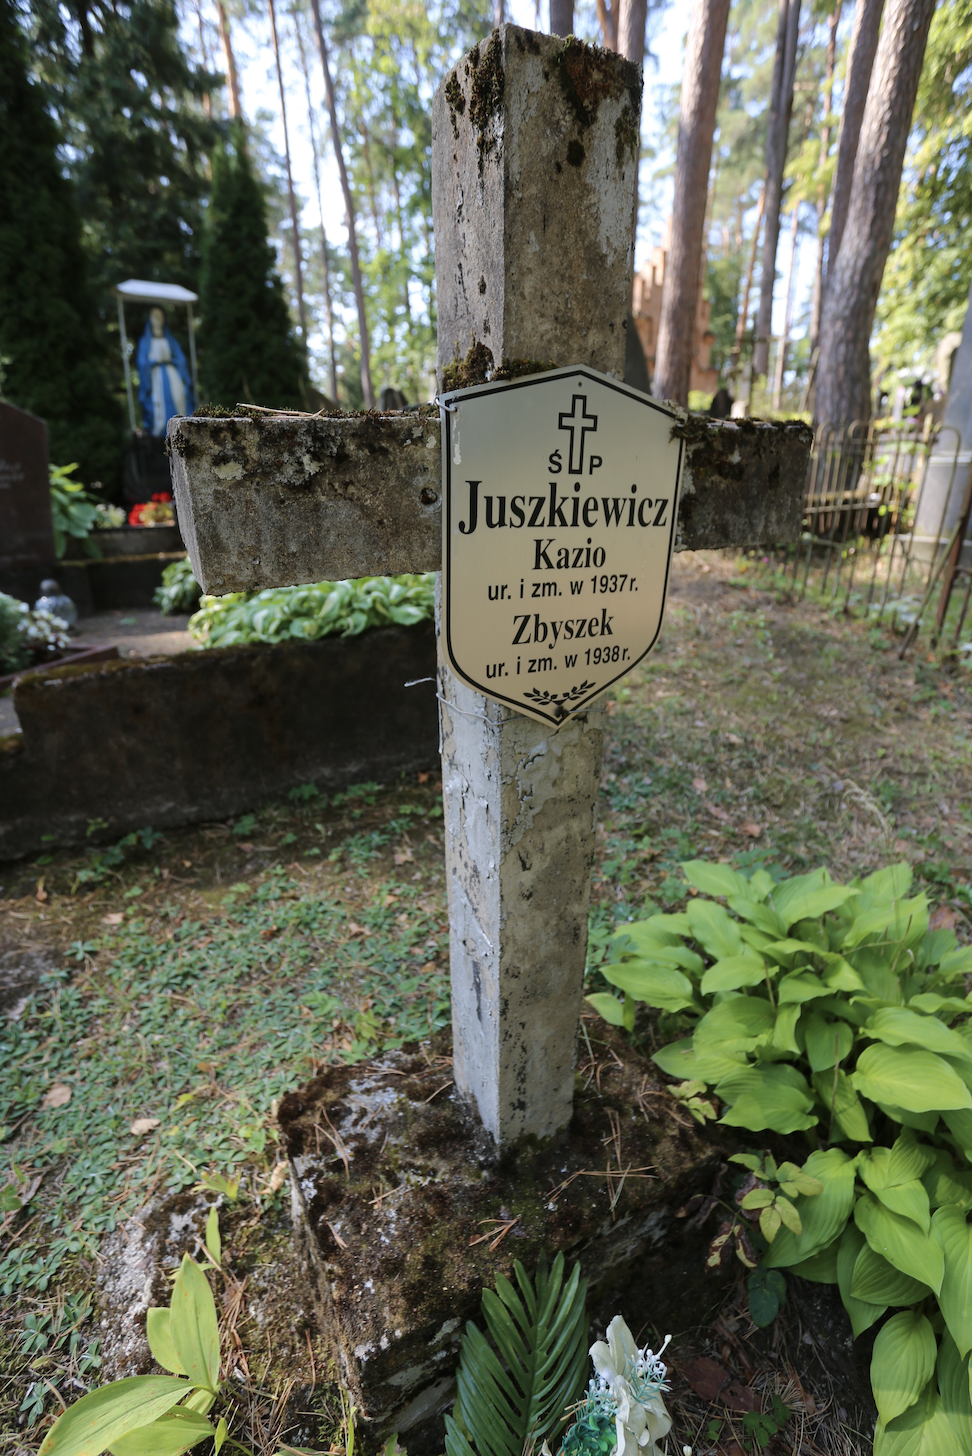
{"x": 26, "y": 528}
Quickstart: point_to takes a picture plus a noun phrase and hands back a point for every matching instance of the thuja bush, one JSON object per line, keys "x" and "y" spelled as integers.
{"x": 834, "y": 1012}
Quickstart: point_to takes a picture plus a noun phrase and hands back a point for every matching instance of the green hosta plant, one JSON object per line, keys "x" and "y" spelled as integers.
{"x": 306, "y": 613}
{"x": 179, "y": 590}
{"x": 834, "y": 1010}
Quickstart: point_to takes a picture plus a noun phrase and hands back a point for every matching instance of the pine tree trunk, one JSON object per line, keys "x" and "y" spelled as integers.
{"x": 366, "y": 385}
{"x": 843, "y": 371}
{"x": 291, "y": 198}
{"x": 704, "y": 49}
{"x": 860, "y": 64}
{"x": 232, "y": 80}
{"x": 325, "y": 265}
{"x": 816, "y": 301}
{"x": 743, "y": 315}
{"x": 784, "y": 344}
{"x": 608, "y": 21}
{"x": 781, "y": 105}
{"x": 561, "y": 17}
{"x": 499, "y": 12}
{"x": 632, "y": 15}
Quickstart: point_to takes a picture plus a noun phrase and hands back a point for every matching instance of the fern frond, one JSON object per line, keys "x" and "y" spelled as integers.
{"x": 515, "y": 1391}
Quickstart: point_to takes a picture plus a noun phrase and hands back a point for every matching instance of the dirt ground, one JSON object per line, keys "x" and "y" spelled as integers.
{"x": 183, "y": 981}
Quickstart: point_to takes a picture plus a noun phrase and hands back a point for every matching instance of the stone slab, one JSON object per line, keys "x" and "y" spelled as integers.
{"x": 393, "y": 1189}
{"x": 202, "y": 735}
{"x": 26, "y": 525}
{"x": 274, "y": 502}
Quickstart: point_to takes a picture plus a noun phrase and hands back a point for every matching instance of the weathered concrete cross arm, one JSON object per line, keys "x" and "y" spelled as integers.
{"x": 278, "y": 500}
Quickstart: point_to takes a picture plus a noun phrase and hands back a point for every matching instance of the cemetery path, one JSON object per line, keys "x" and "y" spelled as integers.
{"x": 182, "y": 982}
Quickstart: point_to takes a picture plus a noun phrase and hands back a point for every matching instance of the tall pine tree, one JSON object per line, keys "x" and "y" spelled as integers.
{"x": 130, "y": 108}
{"x": 52, "y": 345}
{"x": 248, "y": 351}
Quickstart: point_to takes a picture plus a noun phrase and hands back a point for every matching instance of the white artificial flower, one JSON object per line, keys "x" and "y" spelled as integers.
{"x": 635, "y": 1379}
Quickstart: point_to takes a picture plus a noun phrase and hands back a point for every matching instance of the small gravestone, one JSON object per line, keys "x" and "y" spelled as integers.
{"x": 26, "y": 527}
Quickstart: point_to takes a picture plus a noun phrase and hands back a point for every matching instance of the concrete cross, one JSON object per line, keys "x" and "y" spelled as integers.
{"x": 534, "y": 146}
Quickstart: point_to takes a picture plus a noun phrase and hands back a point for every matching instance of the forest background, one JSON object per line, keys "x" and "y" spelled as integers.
{"x": 161, "y": 151}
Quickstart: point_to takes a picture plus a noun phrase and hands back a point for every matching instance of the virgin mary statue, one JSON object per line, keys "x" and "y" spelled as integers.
{"x": 165, "y": 385}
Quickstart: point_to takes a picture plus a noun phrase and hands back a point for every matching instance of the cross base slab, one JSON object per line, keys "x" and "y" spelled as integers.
{"x": 400, "y": 1208}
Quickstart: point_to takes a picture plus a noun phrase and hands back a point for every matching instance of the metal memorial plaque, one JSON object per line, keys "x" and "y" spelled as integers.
{"x": 560, "y": 496}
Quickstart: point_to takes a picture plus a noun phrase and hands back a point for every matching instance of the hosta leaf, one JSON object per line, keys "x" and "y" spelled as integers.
{"x": 828, "y": 1042}
{"x": 786, "y": 951}
{"x": 906, "y": 921}
{"x": 678, "y": 1059}
{"x": 909, "y": 1199}
{"x": 902, "y": 1363}
{"x": 714, "y": 929}
{"x": 607, "y": 1006}
{"x": 840, "y": 974}
{"x": 923, "y": 1430}
{"x": 806, "y": 897}
{"x": 944, "y": 1183}
{"x": 919, "y": 1121}
{"x": 931, "y": 1003}
{"x": 732, "y": 1029}
{"x": 773, "y": 1097}
{"x": 714, "y": 879}
{"x": 823, "y": 1215}
{"x": 660, "y": 986}
{"x": 957, "y": 963}
{"x": 177, "y": 1431}
{"x": 900, "y": 1026}
{"x": 900, "y": 1241}
{"x": 800, "y": 986}
{"x": 876, "y": 1281}
{"x": 953, "y": 1386}
{"x": 160, "y": 1341}
{"x": 955, "y": 1299}
{"x": 734, "y": 972}
{"x": 862, "y": 1312}
{"x": 907, "y": 1077}
{"x": 784, "y": 1029}
{"x": 646, "y": 940}
{"x": 891, "y": 883}
{"x": 908, "y": 1159}
{"x": 820, "y": 1268}
{"x": 959, "y": 1124}
{"x": 762, "y": 916}
{"x": 843, "y": 1105}
{"x": 98, "y": 1419}
{"x": 192, "y": 1325}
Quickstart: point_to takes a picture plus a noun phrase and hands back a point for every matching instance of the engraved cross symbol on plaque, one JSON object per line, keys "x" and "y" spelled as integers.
{"x": 579, "y": 423}
{"x": 280, "y": 499}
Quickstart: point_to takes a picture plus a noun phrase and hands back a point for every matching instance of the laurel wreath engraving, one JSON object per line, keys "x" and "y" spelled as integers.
{"x": 546, "y": 699}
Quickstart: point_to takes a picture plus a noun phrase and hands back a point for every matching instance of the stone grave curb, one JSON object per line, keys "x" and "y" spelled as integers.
{"x": 193, "y": 736}
{"x": 398, "y": 1197}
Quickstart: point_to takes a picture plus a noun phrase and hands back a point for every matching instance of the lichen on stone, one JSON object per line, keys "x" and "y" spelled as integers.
{"x": 474, "y": 369}
{"x": 519, "y": 368}
{"x": 456, "y": 102}
{"x": 589, "y": 75}
{"x": 626, "y": 137}
{"x": 486, "y": 93}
